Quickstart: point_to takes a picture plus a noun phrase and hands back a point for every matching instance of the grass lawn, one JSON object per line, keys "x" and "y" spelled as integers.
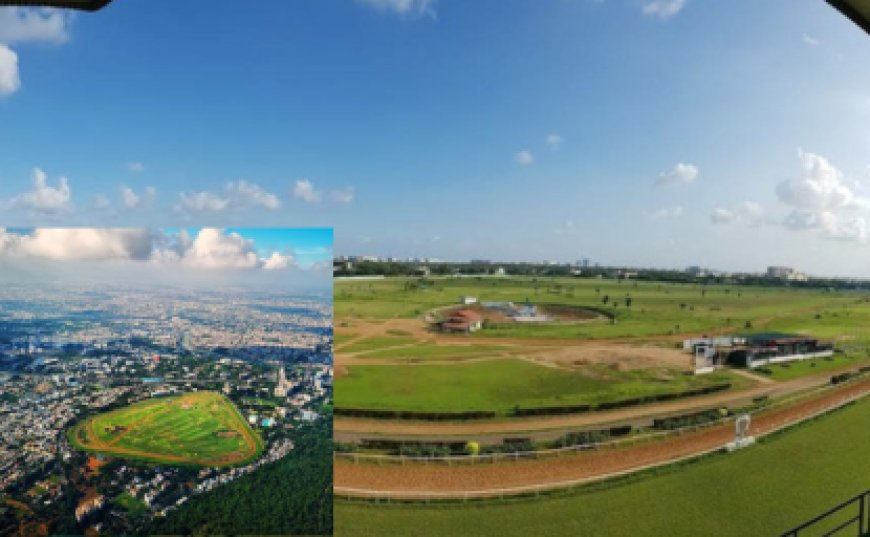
{"x": 134, "y": 506}
{"x": 762, "y": 491}
{"x": 377, "y": 342}
{"x": 201, "y": 428}
{"x": 501, "y": 384}
{"x": 428, "y": 350}
{"x": 657, "y": 308}
{"x": 791, "y": 370}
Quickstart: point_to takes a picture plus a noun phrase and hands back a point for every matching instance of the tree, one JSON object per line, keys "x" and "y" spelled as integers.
{"x": 472, "y": 448}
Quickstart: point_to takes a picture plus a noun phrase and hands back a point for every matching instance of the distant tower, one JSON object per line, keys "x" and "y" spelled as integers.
{"x": 282, "y": 388}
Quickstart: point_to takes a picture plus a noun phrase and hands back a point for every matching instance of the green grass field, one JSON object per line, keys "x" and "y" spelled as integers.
{"x": 791, "y": 370}
{"x": 502, "y": 384}
{"x": 657, "y": 308}
{"x": 198, "y": 428}
{"x": 760, "y": 491}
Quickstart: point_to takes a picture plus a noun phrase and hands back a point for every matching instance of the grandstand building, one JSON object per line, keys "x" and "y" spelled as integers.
{"x": 755, "y": 350}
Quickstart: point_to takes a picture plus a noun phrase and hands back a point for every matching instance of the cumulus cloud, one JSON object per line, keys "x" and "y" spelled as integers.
{"x": 18, "y": 24}
{"x": 405, "y": 8}
{"x": 78, "y": 244}
{"x": 10, "y": 81}
{"x": 747, "y": 213}
{"x": 136, "y": 167}
{"x": 663, "y": 9}
{"x": 245, "y": 194}
{"x": 131, "y": 200}
{"x": 821, "y": 199}
{"x": 681, "y": 174}
{"x": 304, "y": 190}
{"x": 524, "y": 158}
{"x": 343, "y": 195}
{"x": 821, "y": 186}
{"x": 211, "y": 249}
{"x": 43, "y": 198}
{"x": 277, "y": 262}
{"x": 237, "y": 195}
{"x": 554, "y": 141}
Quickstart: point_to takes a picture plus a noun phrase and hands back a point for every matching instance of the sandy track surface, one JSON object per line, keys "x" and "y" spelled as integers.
{"x": 357, "y": 427}
{"x": 486, "y": 478}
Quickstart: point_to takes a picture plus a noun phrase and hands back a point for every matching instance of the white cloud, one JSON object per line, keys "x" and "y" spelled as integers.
{"x": 245, "y": 194}
{"x": 664, "y": 9}
{"x": 136, "y": 167}
{"x": 554, "y": 141}
{"x": 18, "y": 24}
{"x": 681, "y": 174}
{"x": 212, "y": 249}
{"x": 747, "y": 213}
{"x": 78, "y": 244}
{"x": 343, "y": 195}
{"x": 406, "y": 8}
{"x": 202, "y": 202}
{"x": 811, "y": 41}
{"x": 524, "y": 158}
{"x": 277, "y": 262}
{"x": 43, "y": 198}
{"x": 304, "y": 190}
{"x": 821, "y": 186}
{"x": 237, "y": 195}
{"x": 665, "y": 213}
{"x": 10, "y": 81}
{"x": 132, "y": 200}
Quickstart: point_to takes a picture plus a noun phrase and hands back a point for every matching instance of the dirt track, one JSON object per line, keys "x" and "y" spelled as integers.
{"x": 418, "y": 478}
{"x": 353, "y": 426}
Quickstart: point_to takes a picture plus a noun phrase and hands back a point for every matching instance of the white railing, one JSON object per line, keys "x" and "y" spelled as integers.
{"x": 351, "y": 493}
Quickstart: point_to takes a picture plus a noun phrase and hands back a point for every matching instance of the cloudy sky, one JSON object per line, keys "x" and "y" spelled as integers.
{"x": 668, "y": 133}
{"x": 290, "y": 257}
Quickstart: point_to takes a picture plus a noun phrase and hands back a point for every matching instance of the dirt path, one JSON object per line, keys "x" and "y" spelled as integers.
{"x": 356, "y": 427}
{"x": 412, "y": 480}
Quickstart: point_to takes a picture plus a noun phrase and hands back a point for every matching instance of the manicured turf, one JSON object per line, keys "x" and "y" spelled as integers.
{"x": 791, "y": 370}
{"x": 762, "y": 490}
{"x": 377, "y": 343}
{"x": 430, "y": 351}
{"x": 199, "y": 428}
{"x": 657, "y": 308}
{"x": 502, "y": 384}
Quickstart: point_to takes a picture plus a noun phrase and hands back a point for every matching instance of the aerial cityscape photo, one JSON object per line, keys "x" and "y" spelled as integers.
{"x": 165, "y": 381}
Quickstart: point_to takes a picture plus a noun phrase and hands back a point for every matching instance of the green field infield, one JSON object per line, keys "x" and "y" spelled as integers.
{"x": 792, "y": 370}
{"x": 656, "y": 308}
{"x": 503, "y": 384}
{"x": 197, "y": 428}
{"x": 430, "y": 351}
{"x": 762, "y": 490}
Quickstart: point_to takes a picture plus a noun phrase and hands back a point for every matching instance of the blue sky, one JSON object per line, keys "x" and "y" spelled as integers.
{"x": 647, "y": 132}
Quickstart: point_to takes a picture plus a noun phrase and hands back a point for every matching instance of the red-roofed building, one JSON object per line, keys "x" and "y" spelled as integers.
{"x": 463, "y": 321}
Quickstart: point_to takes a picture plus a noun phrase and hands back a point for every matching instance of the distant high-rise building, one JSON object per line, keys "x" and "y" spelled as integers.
{"x": 283, "y": 387}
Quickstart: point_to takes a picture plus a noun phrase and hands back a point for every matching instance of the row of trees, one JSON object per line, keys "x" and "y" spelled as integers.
{"x": 292, "y": 496}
